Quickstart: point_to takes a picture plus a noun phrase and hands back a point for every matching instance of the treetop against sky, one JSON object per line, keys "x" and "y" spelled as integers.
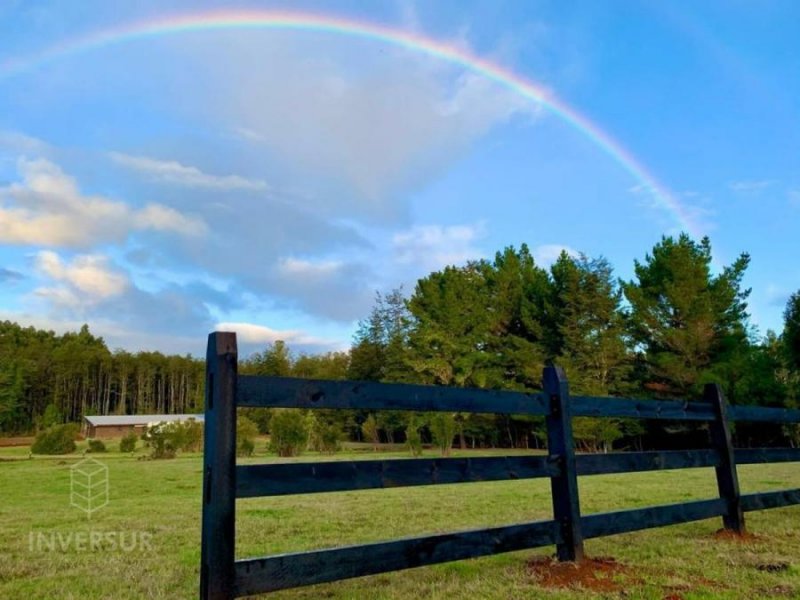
{"x": 171, "y": 167}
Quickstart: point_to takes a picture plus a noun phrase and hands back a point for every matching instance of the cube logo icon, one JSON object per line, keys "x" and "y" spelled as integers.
{"x": 88, "y": 486}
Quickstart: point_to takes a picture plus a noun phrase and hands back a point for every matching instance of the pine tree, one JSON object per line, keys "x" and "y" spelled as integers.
{"x": 684, "y": 318}
{"x": 588, "y": 323}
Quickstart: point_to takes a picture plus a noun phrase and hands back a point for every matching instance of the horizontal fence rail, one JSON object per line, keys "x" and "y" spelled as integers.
{"x": 223, "y": 577}
{"x": 288, "y": 392}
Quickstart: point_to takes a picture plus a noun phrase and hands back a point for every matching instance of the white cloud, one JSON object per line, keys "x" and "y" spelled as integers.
{"x": 158, "y": 217}
{"x": 751, "y": 185}
{"x": 47, "y": 209}
{"x": 307, "y": 268}
{"x": 20, "y": 143}
{"x": 91, "y": 276}
{"x": 250, "y": 333}
{"x": 170, "y": 171}
{"x": 433, "y": 247}
{"x": 546, "y": 254}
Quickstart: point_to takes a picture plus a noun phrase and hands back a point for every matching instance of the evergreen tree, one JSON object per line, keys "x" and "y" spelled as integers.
{"x": 588, "y": 325}
{"x": 791, "y": 332}
{"x": 684, "y": 318}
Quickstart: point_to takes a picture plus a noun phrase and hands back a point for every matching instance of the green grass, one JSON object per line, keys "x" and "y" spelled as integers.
{"x": 162, "y": 499}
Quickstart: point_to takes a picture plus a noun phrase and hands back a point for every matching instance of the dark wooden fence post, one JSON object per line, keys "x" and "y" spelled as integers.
{"x": 561, "y": 448}
{"x": 217, "y": 575}
{"x": 727, "y": 477}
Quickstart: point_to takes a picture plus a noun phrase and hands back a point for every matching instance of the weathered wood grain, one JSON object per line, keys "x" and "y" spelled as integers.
{"x": 561, "y": 448}
{"x": 763, "y": 414}
{"x": 727, "y": 477}
{"x": 306, "y": 568}
{"x": 219, "y": 464}
{"x": 611, "y": 523}
{"x": 750, "y": 456}
{"x": 591, "y": 406}
{"x": 631, "y": 462}
{"x": 310, "y": 478}
{"x": 764, "y": 500}
{"x": 366, "y": 395}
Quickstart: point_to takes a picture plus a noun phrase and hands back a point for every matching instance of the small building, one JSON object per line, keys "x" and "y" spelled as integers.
{"x": 112, "y": 426}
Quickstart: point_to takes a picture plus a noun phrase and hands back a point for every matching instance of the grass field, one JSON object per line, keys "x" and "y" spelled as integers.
{"x": 156, "y": 506}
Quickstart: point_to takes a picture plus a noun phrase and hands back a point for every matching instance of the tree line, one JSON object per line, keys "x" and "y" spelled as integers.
{"x": 47, "y": 378}
{"x": 494, "y": 323}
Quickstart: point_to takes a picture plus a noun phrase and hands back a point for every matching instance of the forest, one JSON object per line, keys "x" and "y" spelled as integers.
{"x": 679, "y": 323}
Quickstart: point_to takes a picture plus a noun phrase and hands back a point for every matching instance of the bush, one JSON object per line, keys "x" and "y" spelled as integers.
{"x": 413, "y": 439}
{"x": 245, "y": 447}
{"x": 289, "y": 434}
{"x": 443, "y": 429}
{"x": 246, "y": 431}
{"x": 370, "y": 431}
{"x": 128, "y": 443}
{"x": 162, "y": 438}
{"x": 166, "y": 438}
{"x": 324, "y": 437}
{"x": 96, "y": 446}
{"x": 58, "y": 439}
{"x": 189, "y": 436}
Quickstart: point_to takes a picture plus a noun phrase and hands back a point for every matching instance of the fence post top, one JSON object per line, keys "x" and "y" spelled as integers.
{"x": 221, "y": 343}
{"x": 553, "y": 376}
{"x": 712, "y": 391}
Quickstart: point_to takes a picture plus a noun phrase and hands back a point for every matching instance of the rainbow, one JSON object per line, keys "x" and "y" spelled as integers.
{"x": 308, "y": 22}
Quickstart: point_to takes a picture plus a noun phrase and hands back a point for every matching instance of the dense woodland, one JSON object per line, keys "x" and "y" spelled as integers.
{"x": 678, "y": 324}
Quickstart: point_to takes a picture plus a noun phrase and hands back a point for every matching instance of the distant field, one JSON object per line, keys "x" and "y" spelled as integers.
{"x": 159, "y": 502}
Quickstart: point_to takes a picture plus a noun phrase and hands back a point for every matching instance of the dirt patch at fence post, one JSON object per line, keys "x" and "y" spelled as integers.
{"x": 601, "y": 574}
{"x": 732, "y": 536}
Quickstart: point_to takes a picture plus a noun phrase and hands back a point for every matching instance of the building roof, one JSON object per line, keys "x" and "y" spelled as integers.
{"x": 100, "y": 420}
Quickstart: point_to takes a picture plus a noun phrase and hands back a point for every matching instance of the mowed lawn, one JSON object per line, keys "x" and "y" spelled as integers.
{"x": 156, "y": 506}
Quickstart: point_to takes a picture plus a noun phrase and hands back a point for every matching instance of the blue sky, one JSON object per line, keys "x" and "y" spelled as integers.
{"x": 271, "y": 181}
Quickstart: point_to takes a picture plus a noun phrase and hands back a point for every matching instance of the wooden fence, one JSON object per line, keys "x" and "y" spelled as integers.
{"x": 223, "y": 577}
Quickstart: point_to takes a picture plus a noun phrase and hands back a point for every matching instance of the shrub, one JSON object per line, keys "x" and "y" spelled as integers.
{"x": 324, "y": 436}
{"x": 128, "y": 443}
{"x": 245, "y": 447}
{"x": 246, "y": 431}
{"x": 369, "y": 430}
{"x": 443, "y": 429}
{"x": 189, "y": 436}
{"x": 259, "y": 416}
{"x": 58, "y": 439}
{"x": 96, "y": 446}
{"x": 166, "y": 438}
{"x": 162, "y": 439}
{"x": 413, "y": 439}
{"x": 288, "y": 432}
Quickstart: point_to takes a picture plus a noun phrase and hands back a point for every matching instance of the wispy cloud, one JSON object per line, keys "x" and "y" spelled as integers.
{"x": 751, "y": 185}
{"x": 432, "y": 247}
{"x": 173, "y": 172}
{"x": 693, "y": 209}
{"x": 251, "y": 333}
